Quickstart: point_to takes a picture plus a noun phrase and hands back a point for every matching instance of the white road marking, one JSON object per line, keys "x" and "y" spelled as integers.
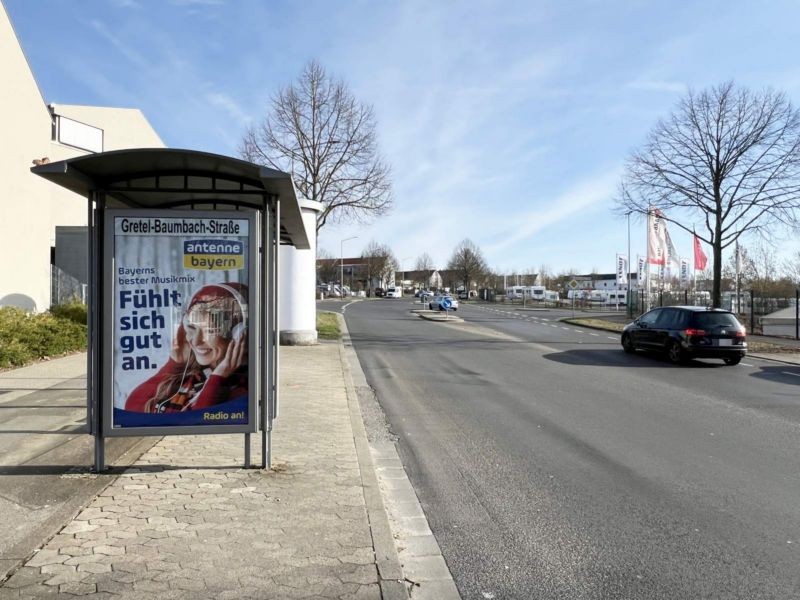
{"x": 612, "y": 338}
{"x": 556, "y": 326}
{"x": 344, "y": 308}
{"x": 788, "y": 373}
{"x": 746, "y": 365}
{"x": 595, "y": 334}
{"x": 578, "y": 330}
{"x": 565, "y": 328}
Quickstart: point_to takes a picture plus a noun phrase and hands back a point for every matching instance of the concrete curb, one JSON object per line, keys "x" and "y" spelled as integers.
{"x": 410, "y": 562}
{"x": 440, "y": 319}
{"x": 772, "y": 359}
{"x": 595, "y": 327}
{"x": 390, "y": 572}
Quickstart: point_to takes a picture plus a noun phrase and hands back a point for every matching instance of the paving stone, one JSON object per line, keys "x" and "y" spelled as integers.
{"x": 23, "y": 577}
{"x": 77, "y": 527}
{"x": 53, "y": 568}
{"x": 188, "y": 522}
{"x": 46, "y": 557}
{"x": 65, "y": 577}
{"x": 77, "y": 589}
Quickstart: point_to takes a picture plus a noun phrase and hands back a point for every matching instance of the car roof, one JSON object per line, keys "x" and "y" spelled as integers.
{"x": 704, "y": 309}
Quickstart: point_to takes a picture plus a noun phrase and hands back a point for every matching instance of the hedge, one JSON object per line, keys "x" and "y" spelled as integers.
{"x": 27, "y": 337}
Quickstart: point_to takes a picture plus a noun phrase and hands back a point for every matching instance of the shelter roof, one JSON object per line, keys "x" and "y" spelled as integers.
{"x": 180, "y": 179}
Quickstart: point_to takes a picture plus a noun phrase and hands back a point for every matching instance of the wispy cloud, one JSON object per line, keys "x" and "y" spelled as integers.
{"x": 197, "y": 2}
{"x": 125, "y": 49}
{"x": 672, "y": 87}
{"x": 590, "y": 194}
{"x": 229, "y": 105}
{"x": 126, "y": 4}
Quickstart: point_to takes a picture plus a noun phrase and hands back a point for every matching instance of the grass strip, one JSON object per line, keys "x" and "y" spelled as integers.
{"x": 328, "y": 326}
{"x": 596, "y": 324}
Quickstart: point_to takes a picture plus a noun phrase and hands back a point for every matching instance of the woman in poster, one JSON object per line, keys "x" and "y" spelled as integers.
{"x": 208, "y": 360}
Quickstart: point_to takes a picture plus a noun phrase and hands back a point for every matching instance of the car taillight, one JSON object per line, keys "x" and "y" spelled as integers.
{"x": 741, "y": 333}
{"x": 694, "y": 332}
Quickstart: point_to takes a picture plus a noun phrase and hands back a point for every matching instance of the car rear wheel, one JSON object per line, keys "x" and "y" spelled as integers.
{"x": 732, "y": 360}
{"x": 627, "y": 344}
{"x": 675, "y": 354}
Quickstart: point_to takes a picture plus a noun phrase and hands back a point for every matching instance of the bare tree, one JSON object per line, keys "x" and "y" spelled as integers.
{"x": 379, "y": 262}
{"x": 727, "y": 157}
{"x": 319, "y": 133}
{"x": 327, "y": 266}
{"x": 425, "y": 267}
{"x": 791, "y": 268}
{"x": 545, "y": 275}
{"x": 468, "y": 262}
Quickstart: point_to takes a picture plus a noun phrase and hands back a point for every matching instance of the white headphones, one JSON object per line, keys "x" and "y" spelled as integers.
{"x": 238, "y": 330}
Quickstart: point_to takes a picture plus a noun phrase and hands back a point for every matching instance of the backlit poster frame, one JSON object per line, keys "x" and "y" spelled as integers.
{"x": 173, "y": 277}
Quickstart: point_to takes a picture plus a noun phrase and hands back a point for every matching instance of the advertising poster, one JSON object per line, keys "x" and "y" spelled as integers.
{"x": 180, "y": 329}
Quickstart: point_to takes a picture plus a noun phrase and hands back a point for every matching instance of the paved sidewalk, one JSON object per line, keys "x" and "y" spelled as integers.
{"x": 188, "y": 522}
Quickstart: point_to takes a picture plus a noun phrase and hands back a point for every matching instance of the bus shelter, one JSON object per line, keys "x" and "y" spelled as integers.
{"x": 183, "y": 291}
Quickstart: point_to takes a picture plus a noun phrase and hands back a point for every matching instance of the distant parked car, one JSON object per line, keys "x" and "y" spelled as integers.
{"x": 394, "y": 292}
{"x": 380, "y": 292}
{"x": 436, "y": 303}
{"x": 685, "y": 332}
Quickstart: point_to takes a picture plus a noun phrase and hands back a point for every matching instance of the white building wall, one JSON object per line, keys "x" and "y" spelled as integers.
{"x": 30, "y": 206}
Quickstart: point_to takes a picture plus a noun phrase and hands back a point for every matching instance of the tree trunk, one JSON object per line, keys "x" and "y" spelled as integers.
{"x": 716, "y": 294}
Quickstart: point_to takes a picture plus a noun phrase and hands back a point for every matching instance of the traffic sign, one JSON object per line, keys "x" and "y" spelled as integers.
{"x": 447, "y": 303}
{"x": 573, "y": 284}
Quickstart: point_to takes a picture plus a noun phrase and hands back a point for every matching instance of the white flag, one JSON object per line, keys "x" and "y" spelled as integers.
{"x": 641, "y": 273}
{"x": 684, "y": 273}
{"x": 622, "y": 270}
{"x": 656, "y": 237}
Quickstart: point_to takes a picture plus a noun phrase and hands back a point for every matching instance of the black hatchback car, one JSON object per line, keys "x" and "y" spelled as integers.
{"x": 685, "y": 332}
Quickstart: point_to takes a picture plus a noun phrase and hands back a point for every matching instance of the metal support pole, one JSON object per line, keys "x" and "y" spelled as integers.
{"x": 752, "y": 314}
{"x": 628, "y": 289}
{"x": 246, "y": 450}
{"x": 263, "y": 325}
{"x": 276, "y": 227}
{"x": 797, "y": 314}
{"x": 94, "y": 379}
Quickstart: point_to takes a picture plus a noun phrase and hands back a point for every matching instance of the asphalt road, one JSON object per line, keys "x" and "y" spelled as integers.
{"x": 552, "y": 465}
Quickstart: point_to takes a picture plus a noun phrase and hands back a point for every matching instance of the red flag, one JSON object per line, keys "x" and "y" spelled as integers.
{"x": 700, "y": 258}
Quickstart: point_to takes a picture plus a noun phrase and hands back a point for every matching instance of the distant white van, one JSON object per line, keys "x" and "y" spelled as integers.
{"x": 394, "y": 292}
{"x": 530, "y": 292}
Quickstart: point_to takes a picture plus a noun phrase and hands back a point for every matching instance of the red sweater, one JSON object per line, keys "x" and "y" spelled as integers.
{"x": 215, "y": 391}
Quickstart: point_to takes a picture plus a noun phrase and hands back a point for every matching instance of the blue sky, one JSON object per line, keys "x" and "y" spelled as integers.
{"x": 504, "y": 122}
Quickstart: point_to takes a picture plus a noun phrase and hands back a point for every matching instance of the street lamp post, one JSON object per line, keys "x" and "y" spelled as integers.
{"x": 341, "y": 264}
{"x": 628, "y": 295}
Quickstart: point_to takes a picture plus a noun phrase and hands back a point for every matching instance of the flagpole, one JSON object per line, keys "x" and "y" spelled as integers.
{"x": 647, "y": 260}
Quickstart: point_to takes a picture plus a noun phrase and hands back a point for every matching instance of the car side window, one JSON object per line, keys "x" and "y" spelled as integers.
{"x": 651, "y": 317}
{"x": 667, "y": 318}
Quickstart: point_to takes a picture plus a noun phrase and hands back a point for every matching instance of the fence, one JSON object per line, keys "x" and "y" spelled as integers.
{"x": 65, "y": 288}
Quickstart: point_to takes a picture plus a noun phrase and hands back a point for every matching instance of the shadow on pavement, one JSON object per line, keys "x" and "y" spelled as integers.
{"x": 784, "y": 374}
{"x": 618, "y": 358}
{"x": 78, "y": 470}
